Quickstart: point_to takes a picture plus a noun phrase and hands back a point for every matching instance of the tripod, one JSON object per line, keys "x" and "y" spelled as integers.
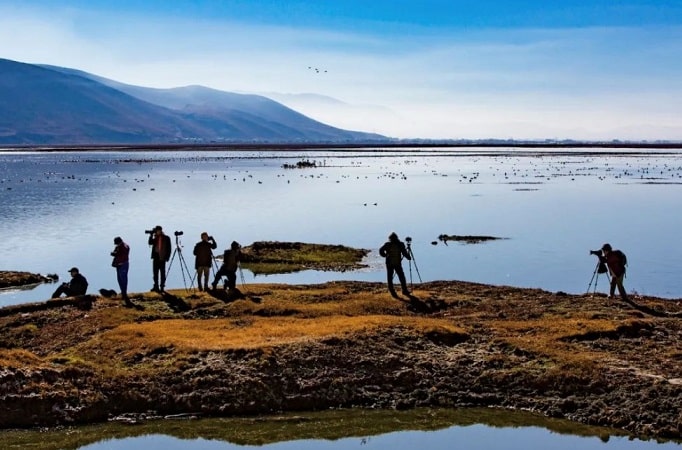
{"x": 595, "y": 276}
{"x": 186, "y": 274}
{"x": 241, "y": 276}
{"x": 411, "y": 261}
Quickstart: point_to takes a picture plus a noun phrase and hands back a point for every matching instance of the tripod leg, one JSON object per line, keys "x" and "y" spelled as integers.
{"x": 410, "y": 265}
{"x": 415, "y": 266}
{"x": 594, "y": 274}
{"x": 185, "y": 272}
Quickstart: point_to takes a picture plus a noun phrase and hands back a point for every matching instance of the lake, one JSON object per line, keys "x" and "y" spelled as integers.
{"x": 485, "y": 429}
{"x": 549, "y": 207}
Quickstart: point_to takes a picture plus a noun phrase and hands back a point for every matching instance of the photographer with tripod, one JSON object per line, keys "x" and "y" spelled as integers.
{"x": 616, "y": 261}
{"x": 161, "y": 253}
{"x": 203, "y": 252}
{"x": 394, "y": 251}
{"x": 231, "y": 259}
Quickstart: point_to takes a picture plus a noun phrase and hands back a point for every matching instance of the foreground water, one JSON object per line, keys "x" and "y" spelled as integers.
{"x": 342, "y": 430}
{"x": 63, "y": 209}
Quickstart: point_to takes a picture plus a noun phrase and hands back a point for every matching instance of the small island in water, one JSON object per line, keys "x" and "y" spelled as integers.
{"x": 281, "y": 347}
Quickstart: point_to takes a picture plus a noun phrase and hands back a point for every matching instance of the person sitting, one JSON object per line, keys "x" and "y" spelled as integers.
{"x": 77, "y": 286}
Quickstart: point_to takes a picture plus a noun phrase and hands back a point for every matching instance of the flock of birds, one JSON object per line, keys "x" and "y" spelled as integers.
{"x": 502, "y": 169}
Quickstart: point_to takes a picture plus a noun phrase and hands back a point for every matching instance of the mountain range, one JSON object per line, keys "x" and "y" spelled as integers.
{"x": 49, "y": 105}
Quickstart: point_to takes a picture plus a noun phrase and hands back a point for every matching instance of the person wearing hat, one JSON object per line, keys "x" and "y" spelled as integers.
{"x": 394, "y": 250}
{"x": 77, "y": 286}
{"x": 231, "y": 259}
{"x": 161, "y": 253}
{"x": 615, "y": 261}
{"x": 121, "y": 264}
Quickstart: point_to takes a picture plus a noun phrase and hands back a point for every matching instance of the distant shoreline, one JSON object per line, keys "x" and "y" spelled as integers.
{"x": 355, "y": 147}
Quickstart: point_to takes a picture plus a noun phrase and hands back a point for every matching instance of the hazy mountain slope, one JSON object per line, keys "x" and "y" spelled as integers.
{"x": 242, "y": 116}
{"x": 42, "y": 106}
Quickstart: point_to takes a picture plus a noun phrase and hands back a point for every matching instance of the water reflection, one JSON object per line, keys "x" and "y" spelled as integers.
{"x": 341, "y": 430}
{"x": 63, "y": 209}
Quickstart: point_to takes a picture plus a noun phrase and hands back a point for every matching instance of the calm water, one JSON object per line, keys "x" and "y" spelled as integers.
{"x": 63, "y": 209}
{"x": 343, "y": 430}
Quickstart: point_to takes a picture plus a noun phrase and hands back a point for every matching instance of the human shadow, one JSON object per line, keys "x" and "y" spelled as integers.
{"x": 231, "y": 295}
{"x": 174, "y": 302}
{"x": 428, "y": 306}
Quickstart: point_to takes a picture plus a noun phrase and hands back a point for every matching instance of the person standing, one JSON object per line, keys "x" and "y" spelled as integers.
{"x": 77, "y": 286}
{"x": 615, "y": 261}
{"x": 231, "y": 259}
{"x": 121, "y": 264}
{"x": 203, "y": 252}
{"x": 161, "y": 253}
{"x": 394, "y": 250}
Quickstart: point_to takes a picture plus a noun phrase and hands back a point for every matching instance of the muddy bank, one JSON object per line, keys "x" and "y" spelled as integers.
{"x": 347, "y": 344}
{"x": 16, "y": 279}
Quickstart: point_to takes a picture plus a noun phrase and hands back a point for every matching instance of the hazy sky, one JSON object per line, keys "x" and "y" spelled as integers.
{"x": 581, "y": 69}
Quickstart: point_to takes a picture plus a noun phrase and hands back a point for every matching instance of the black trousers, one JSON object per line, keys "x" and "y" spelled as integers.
{"x": 159, "y": 270}
{"x": 230, "y": 274}
{"x": 390, "y": 269}
{"x": 63, "y": 289}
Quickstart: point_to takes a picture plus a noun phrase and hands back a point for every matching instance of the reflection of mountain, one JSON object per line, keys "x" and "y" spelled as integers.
{"x": 52, "y": 105}
{"x": 333, "y": 425}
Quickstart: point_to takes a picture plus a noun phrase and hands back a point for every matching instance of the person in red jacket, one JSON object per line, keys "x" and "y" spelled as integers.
{"x": 615, "y": 261}
{"x": 121, "y": 264}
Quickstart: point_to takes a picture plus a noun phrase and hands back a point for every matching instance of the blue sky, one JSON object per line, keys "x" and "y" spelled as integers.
{"x": 429, "y": 68}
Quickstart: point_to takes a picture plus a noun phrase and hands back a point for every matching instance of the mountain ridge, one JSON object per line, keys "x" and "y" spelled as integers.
{"x": 50, "y": 105}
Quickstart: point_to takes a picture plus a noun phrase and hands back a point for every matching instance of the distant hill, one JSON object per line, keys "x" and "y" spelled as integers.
{"x": 54, "y": 105}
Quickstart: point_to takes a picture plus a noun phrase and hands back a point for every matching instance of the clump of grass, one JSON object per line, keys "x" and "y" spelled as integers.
{"x": 18, "y": 358}
{"x": 266, "y": 257}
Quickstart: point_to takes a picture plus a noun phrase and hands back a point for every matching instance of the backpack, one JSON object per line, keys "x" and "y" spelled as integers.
{"x": 623, "y": 259}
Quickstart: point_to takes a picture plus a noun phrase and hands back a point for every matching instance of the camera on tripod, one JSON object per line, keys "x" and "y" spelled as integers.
{"x": 601, "y": 265}
{"x": 408, "y": 239}
{"x": 179, "y": 233}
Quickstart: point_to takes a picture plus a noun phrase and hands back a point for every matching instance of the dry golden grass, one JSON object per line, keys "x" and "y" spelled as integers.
{"x": 109, "y": 336}
{"x": 18, "y": 358}
{"x": 225, "y": 334}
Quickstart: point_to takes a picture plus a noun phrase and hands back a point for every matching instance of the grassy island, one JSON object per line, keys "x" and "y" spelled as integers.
{"x": 586, "y": 358}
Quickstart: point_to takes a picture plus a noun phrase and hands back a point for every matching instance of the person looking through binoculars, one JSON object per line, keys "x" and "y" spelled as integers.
{"x": 231, "y": 259}
{"x": 203, "y": 252}
{"x": 394, "y": 251}
{"x": 161, "y": 253}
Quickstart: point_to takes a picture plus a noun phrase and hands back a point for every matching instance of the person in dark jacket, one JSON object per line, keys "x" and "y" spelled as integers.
{"x": 203, "y": 252}
{"x": 394, "y": 251}
{"x": 161, "y": 253}
{"x": 77, "y": 286}
{"x": 615, "y": 261}
{"x": 121, "y": 264}
{"x": 231, "y": 259}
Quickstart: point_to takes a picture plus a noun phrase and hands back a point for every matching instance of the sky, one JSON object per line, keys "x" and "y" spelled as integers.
{"x": 431, "y": 69}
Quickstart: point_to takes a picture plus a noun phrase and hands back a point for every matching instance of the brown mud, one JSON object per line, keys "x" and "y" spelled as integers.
{"x": 585, "y": 358}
